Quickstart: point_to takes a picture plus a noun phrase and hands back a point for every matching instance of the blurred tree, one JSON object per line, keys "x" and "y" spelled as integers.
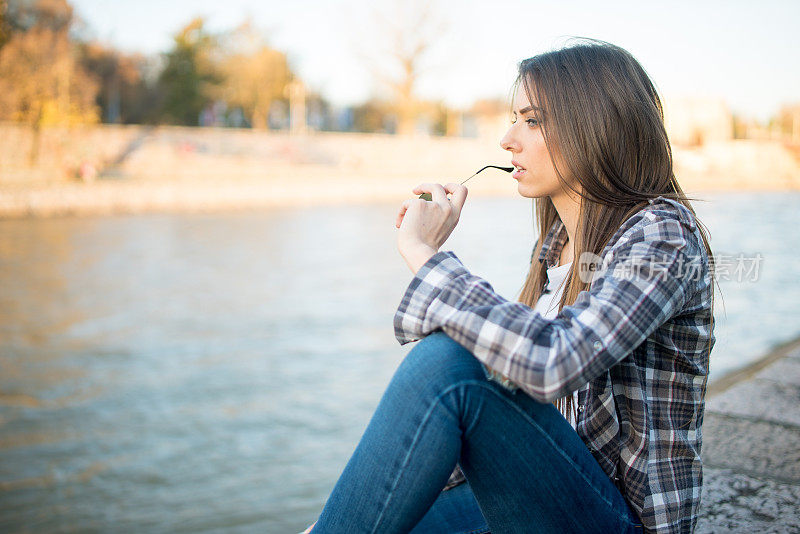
{"x": 740, "y": 127}
{"x": 371, "y": 117}
{"x": 788, "y": 122}
{"x": 319, "y": 112}
{"x": 5, "y": 29}
{"x": 20, "y": 16}
{"x": 439, "y": 114}
{"x": 41, "y": 82}
{"x": 190, "y": 75}
{"x": 253, "y": 74}
{"x": 405, "y": 36}
{"x": 124, "y": 95}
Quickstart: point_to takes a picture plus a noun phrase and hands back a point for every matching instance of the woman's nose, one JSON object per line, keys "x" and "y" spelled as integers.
{"x": 508, "y": 143}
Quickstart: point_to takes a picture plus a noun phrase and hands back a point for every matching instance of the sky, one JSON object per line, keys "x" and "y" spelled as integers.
{"x": 744, "y": 52}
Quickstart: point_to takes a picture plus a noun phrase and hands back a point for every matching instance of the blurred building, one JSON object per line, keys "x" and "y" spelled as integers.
{"x": 486, "y": 119}
{"x": 697, "y": 121}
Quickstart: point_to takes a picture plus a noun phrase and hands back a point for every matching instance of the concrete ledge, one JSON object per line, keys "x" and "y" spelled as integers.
{"x": 789, "y": 349}
{"x": 751, "y": 448}
{"x": 733, "y": 502}
{"x": 758, "y": 448}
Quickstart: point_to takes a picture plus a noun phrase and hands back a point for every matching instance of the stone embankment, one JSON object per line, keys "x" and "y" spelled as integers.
{"x": 751, "y": 448}
{"x": 119, "y": 169}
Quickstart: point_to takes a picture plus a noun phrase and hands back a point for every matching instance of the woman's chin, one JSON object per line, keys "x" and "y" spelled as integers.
{"x": 528, "y": 191}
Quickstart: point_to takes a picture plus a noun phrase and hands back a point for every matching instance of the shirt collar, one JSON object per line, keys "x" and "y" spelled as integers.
{"x": 553, "y": 243}
{"x": 557, "y": 235}
{"x": 683, "y": 212}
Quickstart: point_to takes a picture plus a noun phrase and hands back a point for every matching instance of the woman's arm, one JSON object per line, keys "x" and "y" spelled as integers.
{"x": 642, "y": 282}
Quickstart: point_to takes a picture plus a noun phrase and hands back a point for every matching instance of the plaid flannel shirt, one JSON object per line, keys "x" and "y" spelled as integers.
{"x": 641, "y": 337}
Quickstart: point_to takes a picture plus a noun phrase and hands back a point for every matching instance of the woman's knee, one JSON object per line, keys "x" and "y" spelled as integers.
{"x": 438, "y": 357}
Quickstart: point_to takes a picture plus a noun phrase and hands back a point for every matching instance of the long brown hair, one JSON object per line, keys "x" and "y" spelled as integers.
{"x": 603, "y": 125}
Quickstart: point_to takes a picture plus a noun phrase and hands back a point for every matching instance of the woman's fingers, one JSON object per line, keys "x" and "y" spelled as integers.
{"x": 425, "y": 226}
{"x": 459, "y": 193}
{"x": 403, "y": 209}
{"x": 436, "y": 191}
{"x": 450, "y": 207}
{"x": 401, "y": 213}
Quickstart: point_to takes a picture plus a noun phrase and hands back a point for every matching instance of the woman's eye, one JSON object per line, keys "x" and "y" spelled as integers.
{"x": 532, "y": 122}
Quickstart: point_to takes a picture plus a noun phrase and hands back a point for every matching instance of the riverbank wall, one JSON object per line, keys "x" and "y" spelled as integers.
{"x": 106, "y": 169}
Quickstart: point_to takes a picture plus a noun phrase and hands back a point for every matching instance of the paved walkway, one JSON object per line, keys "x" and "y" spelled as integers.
{"x": 751, "y": 448}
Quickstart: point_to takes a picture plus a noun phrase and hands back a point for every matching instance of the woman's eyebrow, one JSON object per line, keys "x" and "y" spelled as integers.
{"x": 528, "y": 109}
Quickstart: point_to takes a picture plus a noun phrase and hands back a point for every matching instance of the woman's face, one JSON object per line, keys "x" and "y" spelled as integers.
{"x": 535, "y": 173}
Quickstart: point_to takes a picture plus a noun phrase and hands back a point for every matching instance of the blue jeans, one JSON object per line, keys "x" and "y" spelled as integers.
{"x": 527, "y": 468}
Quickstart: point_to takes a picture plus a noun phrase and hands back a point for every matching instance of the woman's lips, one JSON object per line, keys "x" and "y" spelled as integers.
{"x": 520, "y": 170}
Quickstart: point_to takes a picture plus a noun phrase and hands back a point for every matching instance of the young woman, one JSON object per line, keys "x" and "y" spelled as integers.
{"x": 614, "y": 325}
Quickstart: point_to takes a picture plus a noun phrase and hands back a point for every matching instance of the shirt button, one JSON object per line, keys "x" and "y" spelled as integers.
{"x": 597, "y": 346}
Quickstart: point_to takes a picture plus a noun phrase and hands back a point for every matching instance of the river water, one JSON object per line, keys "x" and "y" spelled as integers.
{"x": 213, "y": 372}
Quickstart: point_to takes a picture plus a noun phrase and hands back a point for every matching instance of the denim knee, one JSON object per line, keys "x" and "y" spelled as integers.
{"x": 439, "y": 349}
{"x": 439, "y": 356}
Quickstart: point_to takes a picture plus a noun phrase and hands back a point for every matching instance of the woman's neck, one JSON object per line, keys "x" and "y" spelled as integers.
{"x": 566, "y": 254}
{"x": 568, "y": 206}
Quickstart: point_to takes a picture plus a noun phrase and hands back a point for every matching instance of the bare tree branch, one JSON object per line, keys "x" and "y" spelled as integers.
{"x": 403, "y": 35}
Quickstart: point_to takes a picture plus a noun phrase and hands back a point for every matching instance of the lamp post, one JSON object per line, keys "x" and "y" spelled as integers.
{"x": 297, "y": 107}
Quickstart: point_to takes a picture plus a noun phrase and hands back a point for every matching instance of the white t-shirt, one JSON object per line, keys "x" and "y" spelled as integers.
{"x": 547, "y": 304}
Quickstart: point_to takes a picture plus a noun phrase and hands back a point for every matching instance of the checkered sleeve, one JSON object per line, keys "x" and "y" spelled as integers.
{"x": 637, "y": 287}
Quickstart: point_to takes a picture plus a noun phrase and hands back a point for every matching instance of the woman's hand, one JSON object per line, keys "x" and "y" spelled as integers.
{"x": 426, "y": 225}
